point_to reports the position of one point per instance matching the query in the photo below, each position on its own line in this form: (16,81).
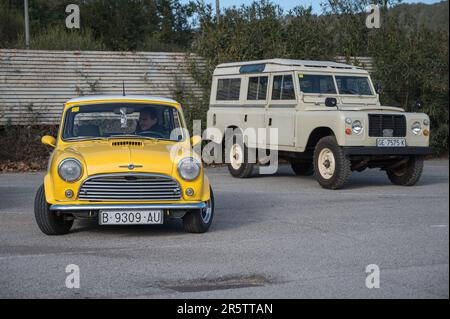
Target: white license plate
(130,217)
(391,142)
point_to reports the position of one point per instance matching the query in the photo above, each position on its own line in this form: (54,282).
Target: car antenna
(123,87)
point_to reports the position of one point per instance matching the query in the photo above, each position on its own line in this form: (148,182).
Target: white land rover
(329,118)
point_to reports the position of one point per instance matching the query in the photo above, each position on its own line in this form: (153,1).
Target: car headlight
(416,128)
(189,168)
(70,169)
(357,127)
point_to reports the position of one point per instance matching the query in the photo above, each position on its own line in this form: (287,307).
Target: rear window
(228,89)
(319,84)
(283,88)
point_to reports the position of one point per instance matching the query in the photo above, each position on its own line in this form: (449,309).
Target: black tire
(407,174)
(194,221)
(47,220)
(342,164)
(303,168)
(245,169)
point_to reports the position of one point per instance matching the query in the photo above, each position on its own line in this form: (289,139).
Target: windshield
(319,84)
(354,85)
(117,120)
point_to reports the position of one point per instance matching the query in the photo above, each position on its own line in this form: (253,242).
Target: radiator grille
(129,187)
(380,125)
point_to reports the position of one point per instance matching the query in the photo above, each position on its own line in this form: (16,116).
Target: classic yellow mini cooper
(124,160)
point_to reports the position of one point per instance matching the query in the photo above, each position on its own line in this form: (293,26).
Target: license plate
(391,142)
(130,217)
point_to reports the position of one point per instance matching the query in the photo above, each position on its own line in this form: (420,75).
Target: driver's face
(146,121)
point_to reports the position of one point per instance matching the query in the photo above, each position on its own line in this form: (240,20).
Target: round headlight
(416,128)
(357,127)
(70,169)
(189,168)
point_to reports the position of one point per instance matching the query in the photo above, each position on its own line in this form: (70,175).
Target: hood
(115,156)
(364,107)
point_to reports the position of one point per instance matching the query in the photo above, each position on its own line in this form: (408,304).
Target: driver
(148,121)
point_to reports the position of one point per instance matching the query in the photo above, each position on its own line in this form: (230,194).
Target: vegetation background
(410,50)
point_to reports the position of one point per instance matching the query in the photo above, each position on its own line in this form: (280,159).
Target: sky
(289,4)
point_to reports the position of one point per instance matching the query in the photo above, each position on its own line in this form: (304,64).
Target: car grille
(129,187)
(382,124)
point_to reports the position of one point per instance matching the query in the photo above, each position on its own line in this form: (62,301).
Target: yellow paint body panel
(101,157)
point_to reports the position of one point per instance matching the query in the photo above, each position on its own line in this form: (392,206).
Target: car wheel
(407,174)
(303,168)
(47,220)
(238,157)
(200,221)
(332,168)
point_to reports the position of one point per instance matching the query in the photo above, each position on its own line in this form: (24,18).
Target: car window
(355,85)
(257,88)
(283,88)
(319,84)
(121,119)
(228,89)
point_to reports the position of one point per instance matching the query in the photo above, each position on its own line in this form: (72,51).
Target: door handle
(270,121)
(245,118)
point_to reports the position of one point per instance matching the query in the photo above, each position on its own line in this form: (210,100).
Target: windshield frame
(181,122)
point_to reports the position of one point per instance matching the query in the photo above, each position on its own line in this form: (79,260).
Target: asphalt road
(272,237)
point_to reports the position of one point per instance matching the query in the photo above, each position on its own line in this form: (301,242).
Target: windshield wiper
(79,138)
(132,136)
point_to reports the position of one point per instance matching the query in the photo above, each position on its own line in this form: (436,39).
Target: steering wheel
(151,134)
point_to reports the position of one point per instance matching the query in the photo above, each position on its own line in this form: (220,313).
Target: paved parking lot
(273,237)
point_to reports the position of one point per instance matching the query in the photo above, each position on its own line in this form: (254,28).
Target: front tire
(407,174)
(47,220)
(238,157)
(200,221)
(332,168)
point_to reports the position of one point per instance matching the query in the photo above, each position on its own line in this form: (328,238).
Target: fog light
(69,193)
(189,191)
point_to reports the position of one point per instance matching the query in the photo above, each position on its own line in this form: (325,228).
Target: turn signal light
(426,132)
(348,131)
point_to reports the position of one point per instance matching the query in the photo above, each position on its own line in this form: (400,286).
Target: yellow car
(123,160)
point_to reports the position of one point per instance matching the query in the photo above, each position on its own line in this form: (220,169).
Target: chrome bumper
(126,206)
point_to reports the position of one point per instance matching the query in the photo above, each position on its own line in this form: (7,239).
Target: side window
(283,88)
(320,84)
(228,89)
(257,88)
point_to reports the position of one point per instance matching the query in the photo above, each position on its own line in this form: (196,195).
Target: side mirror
(378,87)
(419,104)
(195,140)
(49,140)
(330,102)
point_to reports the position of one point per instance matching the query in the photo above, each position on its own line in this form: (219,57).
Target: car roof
(275,65)
(103,98)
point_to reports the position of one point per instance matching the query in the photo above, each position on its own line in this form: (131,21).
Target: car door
(280,113)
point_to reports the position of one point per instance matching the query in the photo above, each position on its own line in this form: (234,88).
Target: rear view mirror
(330,102)
(378,87)
(121,110)
(48,140)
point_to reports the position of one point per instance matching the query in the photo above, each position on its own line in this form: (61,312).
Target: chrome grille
(129,187)
(380,122)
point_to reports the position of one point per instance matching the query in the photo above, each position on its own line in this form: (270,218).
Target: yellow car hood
(116,156)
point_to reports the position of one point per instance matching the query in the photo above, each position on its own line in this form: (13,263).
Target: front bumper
(87,207)
(374,150)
